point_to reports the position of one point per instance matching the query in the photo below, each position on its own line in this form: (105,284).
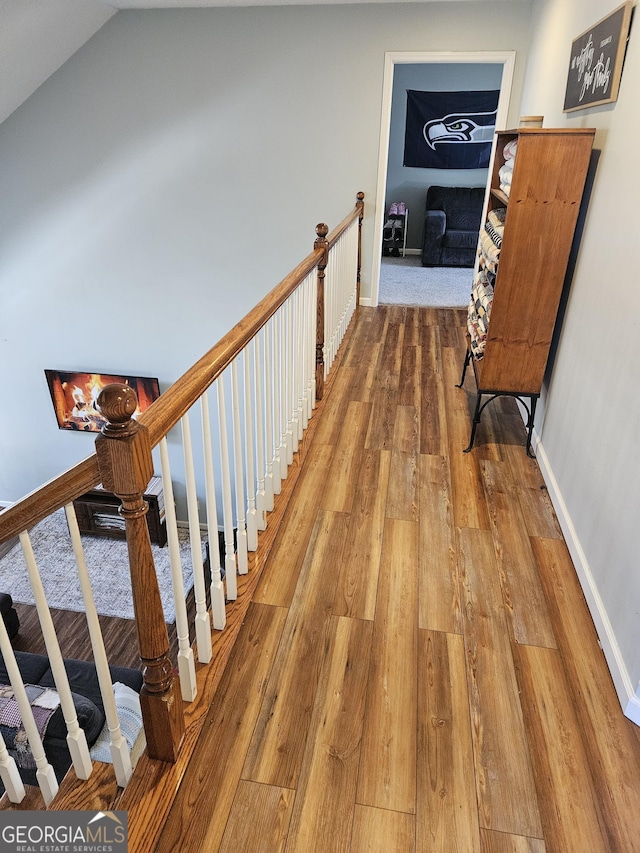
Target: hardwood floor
(417,670)
(120,635)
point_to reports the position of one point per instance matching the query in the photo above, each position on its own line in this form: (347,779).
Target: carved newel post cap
(117,403)
(322,230)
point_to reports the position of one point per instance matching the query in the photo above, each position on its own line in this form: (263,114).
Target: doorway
(504,59)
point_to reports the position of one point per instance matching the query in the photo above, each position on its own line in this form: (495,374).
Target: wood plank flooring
(417,671)
(428,678)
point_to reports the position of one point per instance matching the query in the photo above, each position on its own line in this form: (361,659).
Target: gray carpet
(108,567)
(404,281)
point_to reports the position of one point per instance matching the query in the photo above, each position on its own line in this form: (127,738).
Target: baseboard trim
(629,701)
(632,709)
(365,301)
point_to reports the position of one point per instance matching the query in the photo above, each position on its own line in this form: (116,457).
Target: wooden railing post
(360,206)
(126,466)
(321,243)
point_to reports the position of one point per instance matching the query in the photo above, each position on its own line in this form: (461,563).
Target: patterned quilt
(44,701)
(479,313)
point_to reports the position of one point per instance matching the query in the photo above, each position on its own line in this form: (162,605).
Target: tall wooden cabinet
(546,186)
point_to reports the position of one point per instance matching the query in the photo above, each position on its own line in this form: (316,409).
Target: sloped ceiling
(38,36)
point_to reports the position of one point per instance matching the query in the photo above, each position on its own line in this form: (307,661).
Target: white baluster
(10,775)
(269,415)
(76,740)
(241,535)
(119,750)
(287,382)
(298,357)
(227,513)
(202,620)
(44,774)
(261,495)
(303,342)
(280,458)
(328,312)
(340,263)
(292,337)
(252,520)
(8,771)
(186,662)
(337,263)
(218,610)
(329,289)
(312,319)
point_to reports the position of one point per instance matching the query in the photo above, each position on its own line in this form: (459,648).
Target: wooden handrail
(338,231)
(48,498)
(123,463)
(167,410)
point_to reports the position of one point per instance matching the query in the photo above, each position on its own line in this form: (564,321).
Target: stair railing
(262,381)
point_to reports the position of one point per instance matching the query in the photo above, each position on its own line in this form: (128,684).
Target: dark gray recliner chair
(451,226)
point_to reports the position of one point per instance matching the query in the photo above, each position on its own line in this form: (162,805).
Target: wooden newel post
(321,243)
(126,466)
(360,206)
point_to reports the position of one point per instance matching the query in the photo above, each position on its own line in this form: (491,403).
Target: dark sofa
(83,681)
(451,226)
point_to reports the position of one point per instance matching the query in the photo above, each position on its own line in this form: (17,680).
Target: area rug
(404,281)
(107,563)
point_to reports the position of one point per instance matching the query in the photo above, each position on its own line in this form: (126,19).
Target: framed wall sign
(595,65)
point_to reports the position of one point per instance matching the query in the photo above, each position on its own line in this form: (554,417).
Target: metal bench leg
(534,402)
(467,359)
(476,420)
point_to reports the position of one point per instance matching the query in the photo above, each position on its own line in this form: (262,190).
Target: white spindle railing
(250,415)
(120,756)
(264,399)
(186,663)
(45,775)
(262,437)
(9,772)
(340,292)
(202,623)
(76,740)
(270,418)
(218,611)
(280,404)
(227,501)
(241,530)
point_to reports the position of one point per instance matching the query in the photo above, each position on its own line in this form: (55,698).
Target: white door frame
(506,58)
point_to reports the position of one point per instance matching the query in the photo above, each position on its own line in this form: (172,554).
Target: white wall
(170,173)
(590,447)
(409,184)
(55,28)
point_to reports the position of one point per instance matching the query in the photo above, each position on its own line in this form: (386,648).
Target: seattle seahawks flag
(449,130)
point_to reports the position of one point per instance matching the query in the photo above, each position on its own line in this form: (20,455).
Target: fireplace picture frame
(74,394)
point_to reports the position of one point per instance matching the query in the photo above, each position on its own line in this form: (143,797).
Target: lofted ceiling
(38,36)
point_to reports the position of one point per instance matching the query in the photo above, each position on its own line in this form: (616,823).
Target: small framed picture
(595,64)
(74,396)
